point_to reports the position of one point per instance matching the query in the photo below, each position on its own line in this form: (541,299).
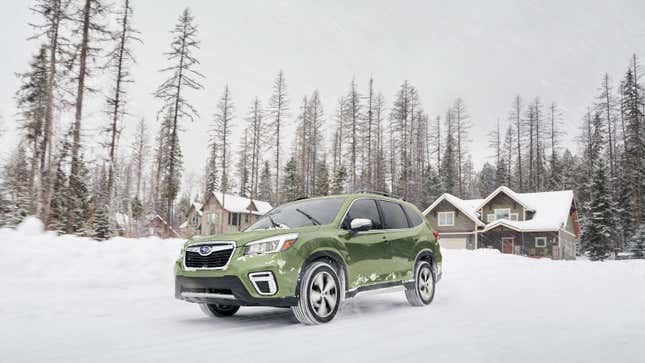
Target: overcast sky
(485,53)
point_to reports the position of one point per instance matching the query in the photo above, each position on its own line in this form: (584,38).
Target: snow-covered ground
(68,299)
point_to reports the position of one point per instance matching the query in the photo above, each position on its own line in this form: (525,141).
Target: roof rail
(385,194)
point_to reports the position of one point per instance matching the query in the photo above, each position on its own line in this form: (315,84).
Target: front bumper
(235,285)
(225,290)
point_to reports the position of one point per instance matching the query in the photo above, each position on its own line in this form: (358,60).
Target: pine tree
(515,119)
(172,93)
(597,237)
(102,228)
(353,116)
(119,61)
(278,114)
(637,243)
(448,163)
(634,139)
(139,154)
(212,179)
(291,181)
(264,191)
(55,16)
(80,209)
(255,127)
(488,179)
(555,181)
(462,126)
(322,180)
(432,188)
(89,20)
(31,99)
(16,185)
(221,136)
(339,181)
(244,165)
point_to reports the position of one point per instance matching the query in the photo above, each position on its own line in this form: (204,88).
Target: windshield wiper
(313,220)
(273,222)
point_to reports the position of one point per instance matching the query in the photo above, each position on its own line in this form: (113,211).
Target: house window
(233,219)
(514,216)
(247,218)
(503,213)
(446,219)
(540,241)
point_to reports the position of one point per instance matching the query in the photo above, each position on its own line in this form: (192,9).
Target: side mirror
(360,225)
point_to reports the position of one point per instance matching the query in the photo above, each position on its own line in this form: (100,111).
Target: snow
(70,299)
(238,204)
(467,207)
(551,211)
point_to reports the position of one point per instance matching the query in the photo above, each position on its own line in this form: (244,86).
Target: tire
(320,294)
(219,311)
(422,291)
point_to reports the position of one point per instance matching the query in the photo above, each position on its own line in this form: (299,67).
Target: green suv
(310,254)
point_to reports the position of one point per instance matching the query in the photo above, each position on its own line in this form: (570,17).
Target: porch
(530,244)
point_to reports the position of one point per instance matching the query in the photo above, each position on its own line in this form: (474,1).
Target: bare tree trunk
(46,143)
(76,133)
(117,97)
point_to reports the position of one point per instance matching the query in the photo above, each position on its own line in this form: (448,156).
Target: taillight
(436,235)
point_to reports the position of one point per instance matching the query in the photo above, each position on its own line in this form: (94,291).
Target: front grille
(215,259)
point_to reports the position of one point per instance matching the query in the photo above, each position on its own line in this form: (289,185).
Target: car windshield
(300,214)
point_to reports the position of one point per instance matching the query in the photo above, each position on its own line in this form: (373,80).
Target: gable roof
(551,209)
(464,206)
(506,190)
(238,204)
(551,212)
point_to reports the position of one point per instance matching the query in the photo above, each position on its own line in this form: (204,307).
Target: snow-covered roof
(551,212)
(551,209)
(510,193)
(238,204)
(467,207)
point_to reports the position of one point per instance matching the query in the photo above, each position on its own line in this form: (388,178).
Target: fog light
(264,283)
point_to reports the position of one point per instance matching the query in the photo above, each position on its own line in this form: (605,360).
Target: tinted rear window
(393,216)
(363,208)
(413,216)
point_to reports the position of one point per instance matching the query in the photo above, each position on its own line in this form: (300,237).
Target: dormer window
(503,213)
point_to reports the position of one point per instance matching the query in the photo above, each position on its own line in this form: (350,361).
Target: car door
(400,239)
(367,251)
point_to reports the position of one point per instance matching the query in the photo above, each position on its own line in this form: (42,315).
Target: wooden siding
(523,242)
(462,222)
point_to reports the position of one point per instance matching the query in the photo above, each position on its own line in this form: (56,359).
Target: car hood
(242,238)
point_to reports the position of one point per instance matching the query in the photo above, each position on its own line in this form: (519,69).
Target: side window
(414,219)
(363,208)
(393,216)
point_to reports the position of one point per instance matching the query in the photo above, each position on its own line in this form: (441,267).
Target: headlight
(271,244)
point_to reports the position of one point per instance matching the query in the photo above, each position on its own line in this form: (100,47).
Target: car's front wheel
(218,310)
(422,292)
(320,294)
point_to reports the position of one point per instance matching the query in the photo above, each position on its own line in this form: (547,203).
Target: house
(529,224)
(223,212)
(157,226)
(193,223)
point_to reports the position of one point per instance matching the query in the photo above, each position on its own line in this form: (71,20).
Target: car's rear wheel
(320,294)
(421,292)
(218,310)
